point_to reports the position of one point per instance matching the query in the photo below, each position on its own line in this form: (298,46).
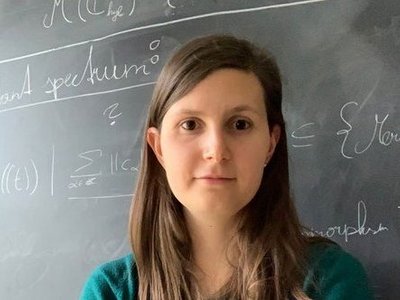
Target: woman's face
(214,143)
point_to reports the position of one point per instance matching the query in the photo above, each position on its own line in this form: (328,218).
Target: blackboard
(75,82)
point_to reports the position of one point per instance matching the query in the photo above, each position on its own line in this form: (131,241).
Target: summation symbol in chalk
(19,179)
(112,114)
(300,136)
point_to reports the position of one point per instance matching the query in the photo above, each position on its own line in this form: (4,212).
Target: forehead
(221,91)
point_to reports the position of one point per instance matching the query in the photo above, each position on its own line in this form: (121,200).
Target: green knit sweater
(333,274)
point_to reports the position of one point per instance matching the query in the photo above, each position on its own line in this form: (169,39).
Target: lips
(216,177)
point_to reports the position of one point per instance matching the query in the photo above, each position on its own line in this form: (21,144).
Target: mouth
(212,177)
(215,180)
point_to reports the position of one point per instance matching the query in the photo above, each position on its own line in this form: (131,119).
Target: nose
(215,146)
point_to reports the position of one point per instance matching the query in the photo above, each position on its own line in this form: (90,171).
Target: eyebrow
(236,109)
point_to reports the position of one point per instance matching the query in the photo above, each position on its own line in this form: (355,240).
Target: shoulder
(116,279)
(333,273)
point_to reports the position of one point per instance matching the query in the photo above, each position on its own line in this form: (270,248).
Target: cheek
(175,152)
(251,174)
(178,163)
(251,166)
(252,153)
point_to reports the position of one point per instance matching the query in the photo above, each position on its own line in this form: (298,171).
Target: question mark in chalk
(112,114)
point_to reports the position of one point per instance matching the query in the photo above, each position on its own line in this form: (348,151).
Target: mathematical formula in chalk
(91,168)
(378,133)
(94,164)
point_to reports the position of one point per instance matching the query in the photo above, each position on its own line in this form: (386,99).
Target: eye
(241,124)
(189,125)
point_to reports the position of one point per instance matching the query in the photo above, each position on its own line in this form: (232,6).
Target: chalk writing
(170,4)
(101,197)
(114,13)
(360,229)
(94,166)
(89,157)
(379,135)
(117,165)
(16,179)
(79,182)
(163,24)
(303,139)
(153,46)
(82,95)
(56,4)
(25,90)
(89,8)
(112,114)
(93,74)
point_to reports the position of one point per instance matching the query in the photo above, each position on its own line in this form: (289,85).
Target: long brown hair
(270,239)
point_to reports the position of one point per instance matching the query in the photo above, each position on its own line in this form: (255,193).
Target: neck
(210,239)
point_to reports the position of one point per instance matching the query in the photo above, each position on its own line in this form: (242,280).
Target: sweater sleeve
(336,275)
(97,287)
(114,280)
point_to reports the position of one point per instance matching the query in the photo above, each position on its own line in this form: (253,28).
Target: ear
(153,139)
(273,141)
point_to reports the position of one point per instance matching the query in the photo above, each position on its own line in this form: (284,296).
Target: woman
(212,217)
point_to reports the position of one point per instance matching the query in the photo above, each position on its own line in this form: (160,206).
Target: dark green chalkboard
(75,81)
